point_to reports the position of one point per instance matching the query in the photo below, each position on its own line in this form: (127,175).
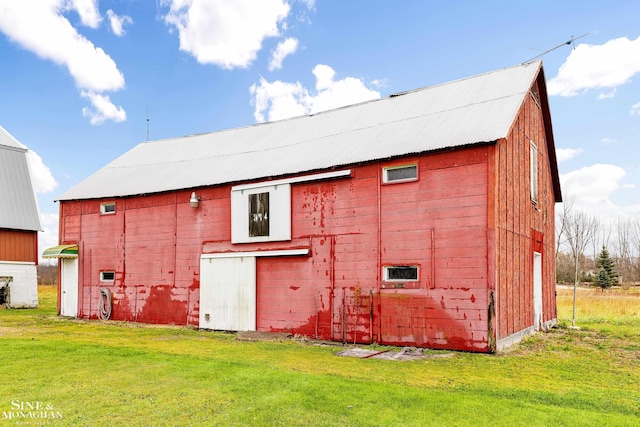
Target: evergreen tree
(603,280)
(607,275)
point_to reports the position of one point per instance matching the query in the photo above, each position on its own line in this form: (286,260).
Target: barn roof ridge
(391,95)
(7,140)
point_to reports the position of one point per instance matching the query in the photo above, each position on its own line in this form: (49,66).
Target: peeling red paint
(162,306)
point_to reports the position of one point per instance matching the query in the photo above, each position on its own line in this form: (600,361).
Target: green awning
(61,251)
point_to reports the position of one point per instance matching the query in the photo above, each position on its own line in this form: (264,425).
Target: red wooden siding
(352,227)
(515,218)
(18,245)
(438,223)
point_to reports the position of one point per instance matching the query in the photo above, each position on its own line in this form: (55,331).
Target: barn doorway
(537,291)
(69,287)
(67,256)
(228,293)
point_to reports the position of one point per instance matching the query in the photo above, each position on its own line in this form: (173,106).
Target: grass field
(82,373)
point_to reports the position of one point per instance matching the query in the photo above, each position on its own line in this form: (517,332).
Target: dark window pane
(398,174)
(259,214)
(402,273)
(108,276)
(108,208)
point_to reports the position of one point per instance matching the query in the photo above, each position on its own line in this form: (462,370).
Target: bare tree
(624,248)
(635,243)
(580,230)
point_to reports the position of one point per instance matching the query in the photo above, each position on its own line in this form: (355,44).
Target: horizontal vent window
(107,276)
(107,208)
(400,273)
(400,173)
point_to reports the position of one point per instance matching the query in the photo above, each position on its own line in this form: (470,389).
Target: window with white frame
(107,276)
(533,169)
(107,208)
(261,213)
(401,173)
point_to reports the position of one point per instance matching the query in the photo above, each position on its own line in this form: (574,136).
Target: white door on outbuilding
(228,293)
(537,291)
(69,287)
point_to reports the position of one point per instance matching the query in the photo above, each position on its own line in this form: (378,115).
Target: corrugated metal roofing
(469,111)
(18,206)
(8,140)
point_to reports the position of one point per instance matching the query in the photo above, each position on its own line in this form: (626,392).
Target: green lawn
(121,374)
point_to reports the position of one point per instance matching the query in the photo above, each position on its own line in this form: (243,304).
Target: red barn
(424,219)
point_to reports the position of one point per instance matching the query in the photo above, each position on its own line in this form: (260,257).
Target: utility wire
(567,43)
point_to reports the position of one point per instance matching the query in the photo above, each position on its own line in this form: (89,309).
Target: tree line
(589,250)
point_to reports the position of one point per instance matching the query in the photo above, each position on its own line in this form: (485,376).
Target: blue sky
(78,78)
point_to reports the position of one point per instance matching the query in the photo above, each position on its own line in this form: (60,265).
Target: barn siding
(351,226)
(18,245)
(517,218)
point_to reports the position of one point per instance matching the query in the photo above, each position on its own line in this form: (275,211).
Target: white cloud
(309,3)
(592,189)
(608,141)
(635,109)
(592,185)
(227,33)
(284,48)
(563,154)
(41,28)
(103,109)
(610,94)
(608,65)
(87,10)
(43,180)
(118,22)
(379,83)
(280,100)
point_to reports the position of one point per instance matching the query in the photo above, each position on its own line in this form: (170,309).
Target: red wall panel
(515,216)
(18,245)
(352,227)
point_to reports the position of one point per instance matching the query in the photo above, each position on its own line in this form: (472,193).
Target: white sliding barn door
(228,293)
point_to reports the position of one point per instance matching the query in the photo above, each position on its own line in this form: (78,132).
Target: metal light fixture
(194,200)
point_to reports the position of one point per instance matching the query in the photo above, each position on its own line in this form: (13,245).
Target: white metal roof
(8,140)
(473,110)
(18,206)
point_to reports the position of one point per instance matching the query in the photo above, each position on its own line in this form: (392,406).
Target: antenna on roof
(568,42)
(147,123)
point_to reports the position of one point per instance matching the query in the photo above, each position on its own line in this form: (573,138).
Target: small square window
(107,276)
(402,173)
(107,208)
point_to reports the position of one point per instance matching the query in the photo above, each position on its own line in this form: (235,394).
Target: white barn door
(228,293)
(537,291)
(69,287)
